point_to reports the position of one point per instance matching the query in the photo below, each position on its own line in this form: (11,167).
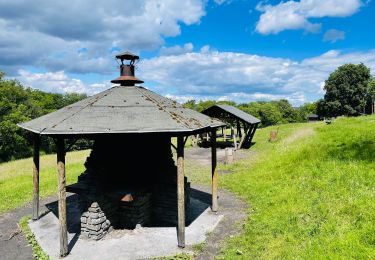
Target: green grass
(16,181)
(37,250)
(312,194)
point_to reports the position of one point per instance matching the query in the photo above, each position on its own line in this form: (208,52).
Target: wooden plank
(253,132)
(62,197)
(36,161)
(180,192)
(214,173)
(239,132)
(246,143)
(246,133)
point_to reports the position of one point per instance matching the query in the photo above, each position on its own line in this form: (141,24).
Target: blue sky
(194,49)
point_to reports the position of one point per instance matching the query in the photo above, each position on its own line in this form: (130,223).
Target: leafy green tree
(371,101)
(346,91)
(19,104)
(190,104)
(307,109)
(289,114)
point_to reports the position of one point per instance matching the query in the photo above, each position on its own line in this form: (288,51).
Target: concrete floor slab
(145,242)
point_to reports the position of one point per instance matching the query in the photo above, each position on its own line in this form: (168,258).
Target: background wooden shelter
(244,123)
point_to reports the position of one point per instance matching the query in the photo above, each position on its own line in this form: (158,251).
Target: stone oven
(130,178)
(119,190)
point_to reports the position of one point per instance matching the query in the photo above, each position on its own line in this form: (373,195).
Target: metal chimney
(127,77)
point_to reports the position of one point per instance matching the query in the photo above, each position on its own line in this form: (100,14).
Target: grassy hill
(311,193)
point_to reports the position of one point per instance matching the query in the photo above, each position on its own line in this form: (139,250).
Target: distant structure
(244,123)
(130,178)
(313,118)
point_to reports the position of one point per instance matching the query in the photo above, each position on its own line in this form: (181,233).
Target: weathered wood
(36,141)
(245,134)
(229,155)
(62,197)
(214,173)
(253,133)
(239,132)
(180,192)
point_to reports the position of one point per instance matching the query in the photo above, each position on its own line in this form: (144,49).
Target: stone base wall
(105,210)
(164,200)
(135,212)
(94,223)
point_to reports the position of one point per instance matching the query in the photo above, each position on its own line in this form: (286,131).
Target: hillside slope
(312,194)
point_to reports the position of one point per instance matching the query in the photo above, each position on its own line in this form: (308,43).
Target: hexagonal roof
(119,110)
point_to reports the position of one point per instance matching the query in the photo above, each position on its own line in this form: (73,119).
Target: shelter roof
(233,111)
(122,109)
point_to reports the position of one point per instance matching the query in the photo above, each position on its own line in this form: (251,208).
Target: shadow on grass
(358,151)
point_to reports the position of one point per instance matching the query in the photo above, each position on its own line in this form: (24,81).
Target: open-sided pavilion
(125,110)
(244,123)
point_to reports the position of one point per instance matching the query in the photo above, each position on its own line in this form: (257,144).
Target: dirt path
(203,155)
(298,134)
(234,213)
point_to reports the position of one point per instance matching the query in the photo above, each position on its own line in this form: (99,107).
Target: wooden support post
(214,173)
(246,142)
(253,132)
(235,141)
(180,192)
(239,133)
(243,136)
(36,141)
(62,196)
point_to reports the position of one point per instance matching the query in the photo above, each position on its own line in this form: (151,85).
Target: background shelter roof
(122,109)
(216,110)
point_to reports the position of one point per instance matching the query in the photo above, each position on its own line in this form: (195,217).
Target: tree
(371,90)
(289,114)
(346,91)
(307,109)
(19,104)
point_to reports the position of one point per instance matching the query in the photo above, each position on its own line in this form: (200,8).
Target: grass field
(311,193)
(16,183)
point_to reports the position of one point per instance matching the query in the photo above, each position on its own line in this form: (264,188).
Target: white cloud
(50,35)
(243,77)
(221,76)
(220,2)
(333,36)
(58,82)
(292,15)
(176,49)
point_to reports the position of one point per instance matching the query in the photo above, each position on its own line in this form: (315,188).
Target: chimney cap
(126,55)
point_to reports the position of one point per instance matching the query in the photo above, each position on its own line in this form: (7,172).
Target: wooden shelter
(244,123)
(313,118)
(123,112)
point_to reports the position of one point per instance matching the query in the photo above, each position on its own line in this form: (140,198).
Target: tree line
(20,104)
